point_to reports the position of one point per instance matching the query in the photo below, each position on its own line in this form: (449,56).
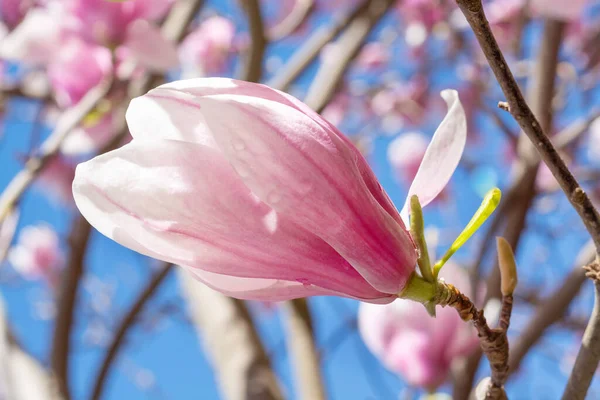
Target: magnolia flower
(37,253)
(258,195)
(206,50)
(77,68)
(410,343)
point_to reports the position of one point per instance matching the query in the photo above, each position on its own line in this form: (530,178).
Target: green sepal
(488,205)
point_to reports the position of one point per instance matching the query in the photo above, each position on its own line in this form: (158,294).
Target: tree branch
(473,11)
(303,350)
(127,322)
(522,192)
(586,362)
(301,11)
(346,48)
(241,365)
(312,47)
(71,276)
(253,65)
(69,120)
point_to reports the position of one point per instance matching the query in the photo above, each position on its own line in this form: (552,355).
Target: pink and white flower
(37,254)
(207,50)
(258,195)
(417,347)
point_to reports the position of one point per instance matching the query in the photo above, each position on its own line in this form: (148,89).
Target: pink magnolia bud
(256,194)
(37,253)
(77,68)
(410,343)
(206,50)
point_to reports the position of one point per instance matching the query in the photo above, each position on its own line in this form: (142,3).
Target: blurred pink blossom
(405,154)
(337,108)
(13,11)
(374,55)
(56,179)
(77,68)
(37,254)
(567,10)
(206,50)
(107,22)
(258,195)
(410,343)
(36,40)
(406,100)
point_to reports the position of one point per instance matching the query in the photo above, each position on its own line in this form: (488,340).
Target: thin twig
(493,342)
(520,195)
(69,120)
(128,320)
(473,11)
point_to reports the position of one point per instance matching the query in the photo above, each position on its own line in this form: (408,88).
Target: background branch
(345,48)
(303,351)
(127,322)
(241,365)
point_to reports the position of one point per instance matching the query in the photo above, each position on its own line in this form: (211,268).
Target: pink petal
(286,154)
(257,289)
(150,48)
(442,155)
(183,203)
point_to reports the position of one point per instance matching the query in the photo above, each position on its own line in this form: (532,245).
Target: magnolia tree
(177,164)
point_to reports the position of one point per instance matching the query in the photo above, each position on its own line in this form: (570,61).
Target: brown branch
(493,342)
(586,362)
(552,309)
(71,276)
(302,348)
(127,322)
(312,47)
(346,48)
(473,11)
(522,192)
(252,70)
(69,120)
(241,365)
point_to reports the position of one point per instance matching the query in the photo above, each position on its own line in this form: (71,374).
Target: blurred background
(84,318)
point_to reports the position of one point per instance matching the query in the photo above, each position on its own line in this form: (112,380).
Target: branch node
(503,105)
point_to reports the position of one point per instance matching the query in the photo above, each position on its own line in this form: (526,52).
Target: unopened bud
(508,266)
